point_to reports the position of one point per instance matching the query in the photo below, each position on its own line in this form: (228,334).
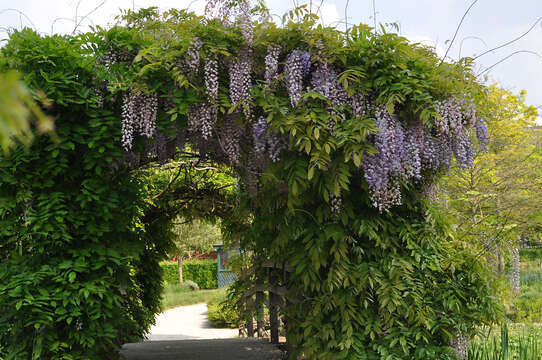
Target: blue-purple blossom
(482,135)
(463,152)
(272,65)
(383,169)
(297,67)
(259,130)
(241,80)
(201,119)
(192,62)
(139,112)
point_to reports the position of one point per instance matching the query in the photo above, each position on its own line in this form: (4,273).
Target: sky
(489,23)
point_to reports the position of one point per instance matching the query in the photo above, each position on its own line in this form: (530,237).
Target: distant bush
(202,272)
(222,313)
(191,285)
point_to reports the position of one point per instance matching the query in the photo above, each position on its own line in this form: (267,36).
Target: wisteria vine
(405,149)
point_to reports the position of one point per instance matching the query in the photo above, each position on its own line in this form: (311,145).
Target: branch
(21,14)
(87,15)
(374,13)
(511,41)
(467,38)
(457,30)
(509,56)
(346,16)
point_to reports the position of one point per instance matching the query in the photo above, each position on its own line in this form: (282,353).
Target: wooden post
(259,314)
(250,320)
(274,318)
(250,327)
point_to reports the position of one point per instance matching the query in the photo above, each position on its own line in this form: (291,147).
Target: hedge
(202,272)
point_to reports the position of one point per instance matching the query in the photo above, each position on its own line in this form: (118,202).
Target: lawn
(175,295)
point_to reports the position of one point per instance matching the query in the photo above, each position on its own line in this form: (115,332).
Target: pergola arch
(334,138)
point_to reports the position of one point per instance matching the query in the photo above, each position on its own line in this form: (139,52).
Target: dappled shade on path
(215,349)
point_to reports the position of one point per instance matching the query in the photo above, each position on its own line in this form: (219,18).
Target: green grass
(517,343)
(527,306)
(175,295)
(521,339)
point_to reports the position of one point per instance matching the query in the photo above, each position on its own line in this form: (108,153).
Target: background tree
(500,197)
(197,236)
(18,111)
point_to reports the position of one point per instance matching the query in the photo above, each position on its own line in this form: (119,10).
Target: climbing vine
(334,138)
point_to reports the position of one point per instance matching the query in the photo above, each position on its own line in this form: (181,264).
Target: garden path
(184,333)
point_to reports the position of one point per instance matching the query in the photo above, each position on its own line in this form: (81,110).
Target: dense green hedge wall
(202,272)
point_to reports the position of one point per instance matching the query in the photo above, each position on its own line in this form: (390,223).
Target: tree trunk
(180,266)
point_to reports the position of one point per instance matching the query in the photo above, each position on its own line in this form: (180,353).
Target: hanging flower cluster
(201,119)
(403,153)
(192,61)
(336,204)
(240,80)
(297,67)
(210,77)
(138,115)
(515,270)
(405,149)
(482,135)
(272,65)
(383,169)
(230,136)
(259,130)
(267,140)
(324,80)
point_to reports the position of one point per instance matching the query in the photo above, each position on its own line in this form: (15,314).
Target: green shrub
(190,285)
(202,272)
(222,312)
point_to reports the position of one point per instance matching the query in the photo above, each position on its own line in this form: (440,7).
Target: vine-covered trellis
(335,139)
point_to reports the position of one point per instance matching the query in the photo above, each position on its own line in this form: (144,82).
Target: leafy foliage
(198,236)
(222,313)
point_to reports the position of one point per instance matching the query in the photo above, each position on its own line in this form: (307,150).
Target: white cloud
(329,14)
(426,40)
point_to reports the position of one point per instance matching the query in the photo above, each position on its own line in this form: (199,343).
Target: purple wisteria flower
(297,67)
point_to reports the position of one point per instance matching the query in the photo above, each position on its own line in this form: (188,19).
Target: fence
(269,294)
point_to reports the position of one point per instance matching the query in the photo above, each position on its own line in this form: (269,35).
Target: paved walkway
(215,349)
(184,333)
(185,323)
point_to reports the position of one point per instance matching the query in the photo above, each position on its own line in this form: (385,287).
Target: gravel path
(184,333)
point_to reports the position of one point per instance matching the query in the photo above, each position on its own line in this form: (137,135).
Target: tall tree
(196,236)
(500,197)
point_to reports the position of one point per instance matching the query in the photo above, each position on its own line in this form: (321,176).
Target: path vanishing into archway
(184,333)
